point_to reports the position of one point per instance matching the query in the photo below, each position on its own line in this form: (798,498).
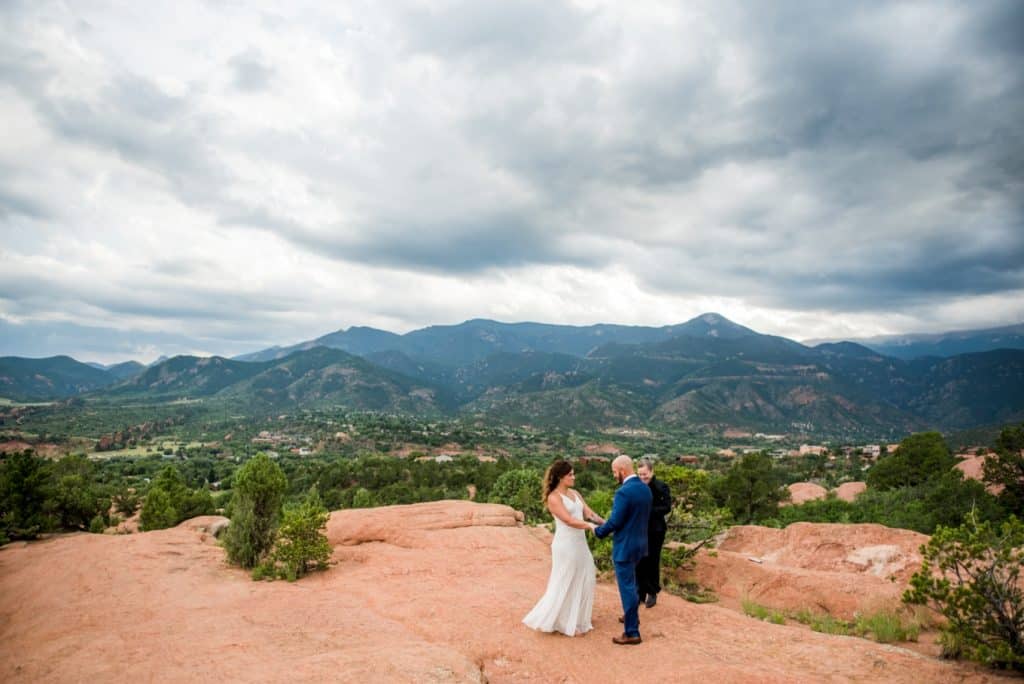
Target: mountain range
(707,372)
(945,344)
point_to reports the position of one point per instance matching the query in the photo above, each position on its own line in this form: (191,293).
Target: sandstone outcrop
(848,491)
(802,492)
(827,568)
(425,593)
(973,468)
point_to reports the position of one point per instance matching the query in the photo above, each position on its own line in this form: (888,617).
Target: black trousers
(648,570)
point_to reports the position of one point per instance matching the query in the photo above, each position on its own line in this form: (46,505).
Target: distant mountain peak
(715,325)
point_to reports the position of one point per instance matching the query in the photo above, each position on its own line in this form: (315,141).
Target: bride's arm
(559,510)
(589,514)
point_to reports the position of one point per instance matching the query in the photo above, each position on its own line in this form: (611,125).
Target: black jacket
(661,505)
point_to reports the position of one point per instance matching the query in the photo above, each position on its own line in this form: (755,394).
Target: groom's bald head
(622,467)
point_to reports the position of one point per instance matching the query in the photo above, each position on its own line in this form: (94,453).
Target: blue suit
(631,510)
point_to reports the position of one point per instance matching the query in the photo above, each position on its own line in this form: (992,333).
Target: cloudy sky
(221,176)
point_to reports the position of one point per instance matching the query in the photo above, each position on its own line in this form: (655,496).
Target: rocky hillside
(52,378)
(425,593)
(706,373)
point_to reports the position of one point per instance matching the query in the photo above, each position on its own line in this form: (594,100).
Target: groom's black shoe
(625,640)
(652,600)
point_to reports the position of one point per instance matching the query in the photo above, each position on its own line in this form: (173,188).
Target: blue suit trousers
(625,577)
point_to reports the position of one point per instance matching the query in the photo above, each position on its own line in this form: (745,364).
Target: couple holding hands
(568,602)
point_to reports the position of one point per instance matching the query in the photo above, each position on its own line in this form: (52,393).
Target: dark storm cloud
(848,157)
(499,240)
(878,116)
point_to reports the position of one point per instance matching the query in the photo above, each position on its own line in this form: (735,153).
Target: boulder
(848,491)
(802,492)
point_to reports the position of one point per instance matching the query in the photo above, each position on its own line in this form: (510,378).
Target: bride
(567,603)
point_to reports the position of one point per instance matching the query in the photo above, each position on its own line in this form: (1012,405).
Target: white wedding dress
(568,602)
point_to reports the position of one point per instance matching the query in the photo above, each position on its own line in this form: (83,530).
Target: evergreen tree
(751,489)
(23,493)
(919,458)
(1006,468)
(301,545)
(259,488)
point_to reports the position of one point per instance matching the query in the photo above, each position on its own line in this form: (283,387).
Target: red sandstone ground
(425,593)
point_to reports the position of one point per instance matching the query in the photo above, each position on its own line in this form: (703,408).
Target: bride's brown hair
(555,472)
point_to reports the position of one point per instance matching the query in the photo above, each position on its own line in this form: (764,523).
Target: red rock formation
(836,569)
(848,491)
(973,469)
(433,592)
(802,492)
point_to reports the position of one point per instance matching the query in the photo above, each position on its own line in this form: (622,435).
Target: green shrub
(601,550)
(126,502)
(168,502)
(521,489)
(259,488)
(195,503)
(76,497)
(97,525)
(301,545)
(158,511)
(971,574)
(691,591)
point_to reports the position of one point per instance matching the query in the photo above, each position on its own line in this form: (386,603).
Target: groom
(631,509)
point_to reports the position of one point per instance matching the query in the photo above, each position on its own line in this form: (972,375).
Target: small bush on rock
(971,574)
(301,545)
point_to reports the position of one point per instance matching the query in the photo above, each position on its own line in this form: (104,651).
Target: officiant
(648,570)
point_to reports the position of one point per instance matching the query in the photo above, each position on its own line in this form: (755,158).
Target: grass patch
(822,622)
(691,591)
(756,610)
(887,627)
(826,624)
(156,448)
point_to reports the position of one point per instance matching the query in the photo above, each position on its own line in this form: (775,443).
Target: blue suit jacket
(631,510)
